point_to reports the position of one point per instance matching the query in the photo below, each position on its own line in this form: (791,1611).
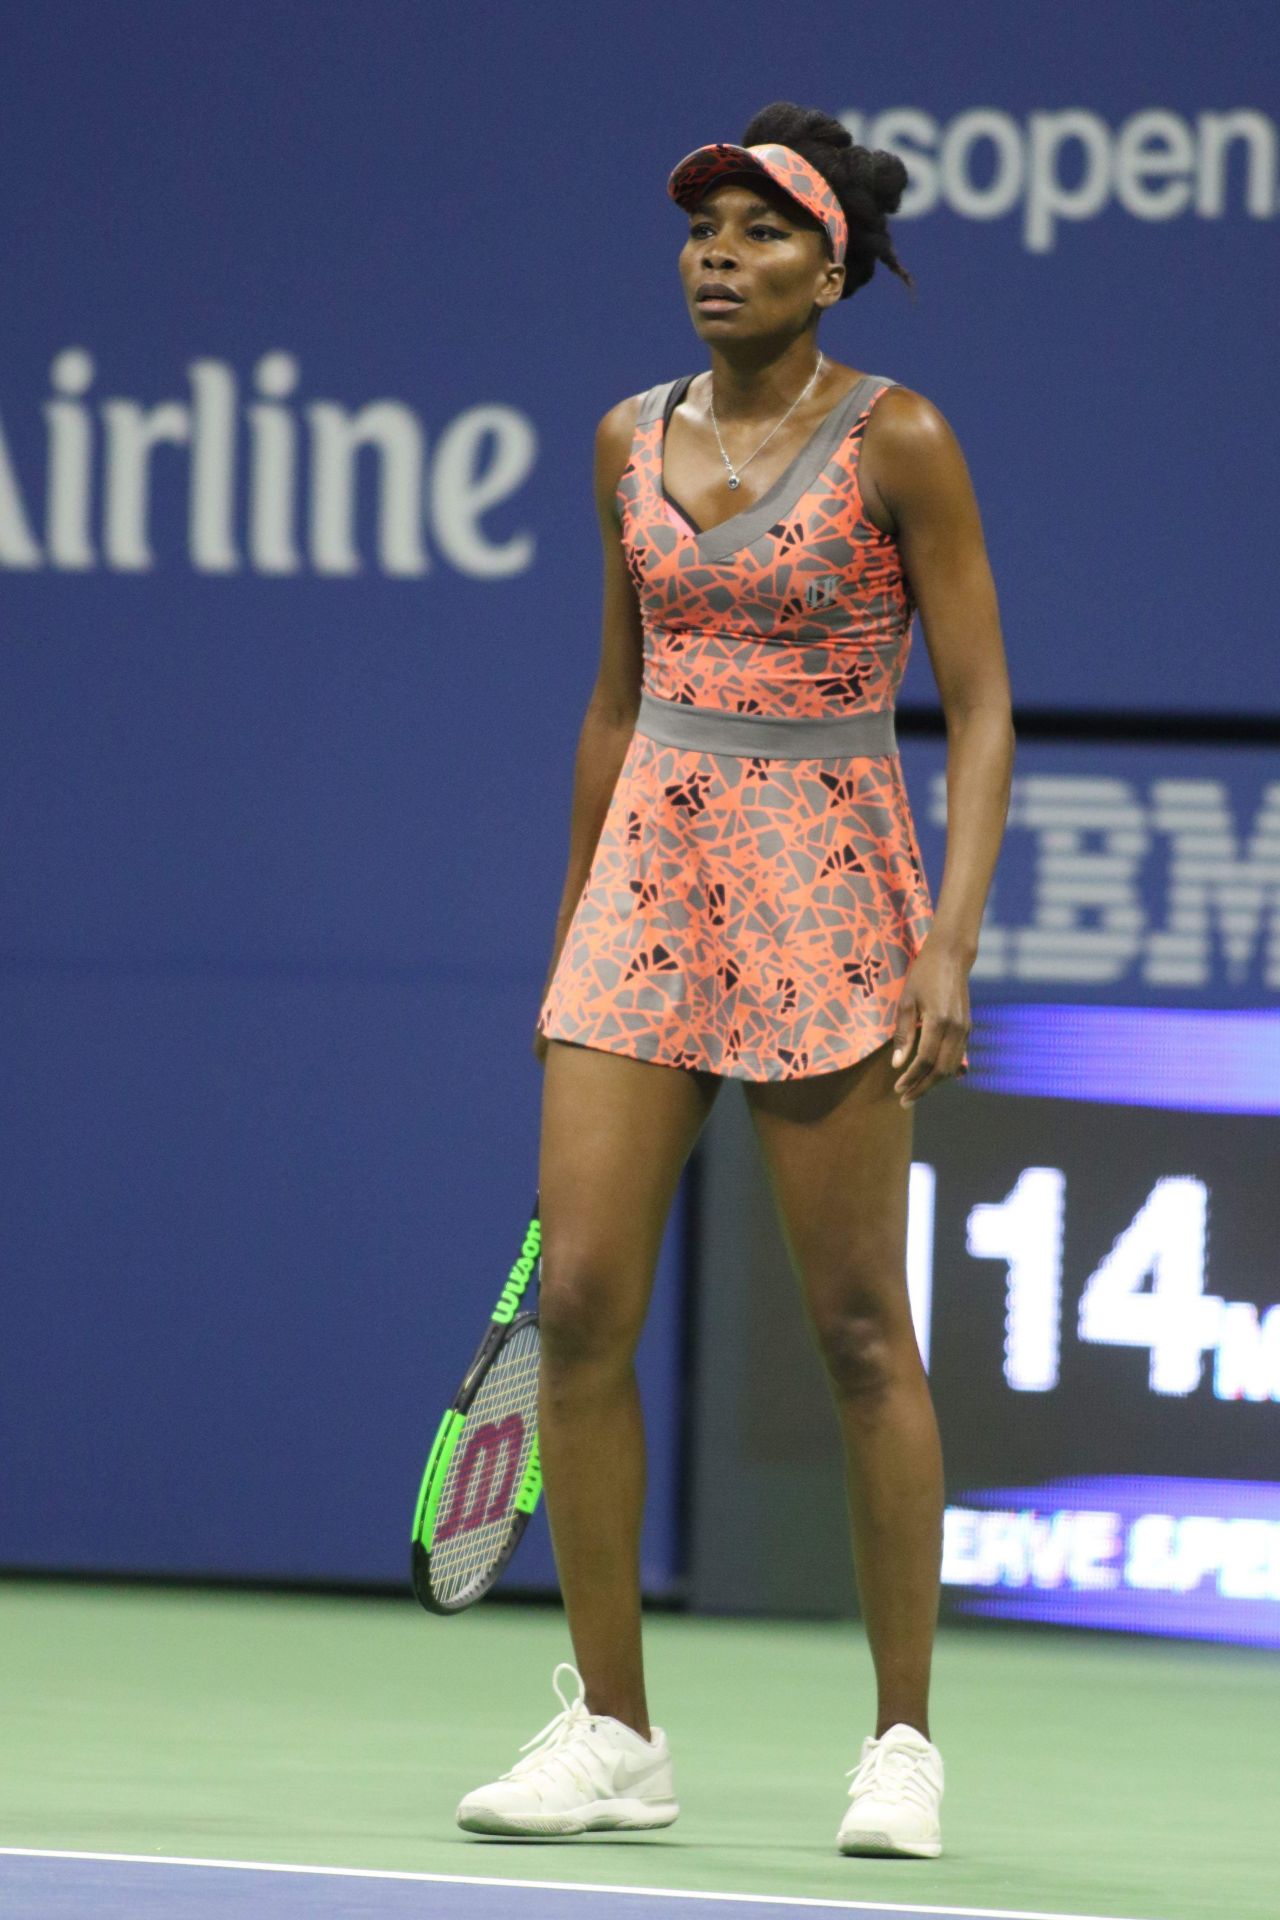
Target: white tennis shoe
(584,1773)
(895,1797)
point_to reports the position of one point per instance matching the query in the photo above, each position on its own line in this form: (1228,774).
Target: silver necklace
(733,472)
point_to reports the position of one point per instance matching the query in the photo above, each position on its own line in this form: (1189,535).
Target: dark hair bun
(869,185)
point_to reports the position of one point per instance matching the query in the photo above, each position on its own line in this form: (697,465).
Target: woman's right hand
(539,1046)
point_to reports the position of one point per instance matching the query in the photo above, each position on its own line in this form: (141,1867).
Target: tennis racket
(482,1479)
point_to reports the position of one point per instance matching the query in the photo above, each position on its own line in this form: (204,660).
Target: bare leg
(838,1153)
(616,1133)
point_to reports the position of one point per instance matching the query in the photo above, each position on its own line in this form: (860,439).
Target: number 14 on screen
(1149,1291)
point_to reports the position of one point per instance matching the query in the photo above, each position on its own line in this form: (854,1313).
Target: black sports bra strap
(679,388)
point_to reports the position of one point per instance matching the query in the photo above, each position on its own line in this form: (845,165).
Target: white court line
(552,1886)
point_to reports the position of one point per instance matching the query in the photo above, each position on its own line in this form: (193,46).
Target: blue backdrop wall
(309,316)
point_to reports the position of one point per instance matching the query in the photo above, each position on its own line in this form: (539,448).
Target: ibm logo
(1170,887)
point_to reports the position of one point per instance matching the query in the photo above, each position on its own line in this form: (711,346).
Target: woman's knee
(590,1312)
(864,1334)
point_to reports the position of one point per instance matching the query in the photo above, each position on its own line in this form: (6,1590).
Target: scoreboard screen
(1095,1280)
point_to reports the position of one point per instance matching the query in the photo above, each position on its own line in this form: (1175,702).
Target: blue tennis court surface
(36,1885)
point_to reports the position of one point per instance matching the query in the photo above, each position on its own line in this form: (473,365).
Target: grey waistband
(781,737)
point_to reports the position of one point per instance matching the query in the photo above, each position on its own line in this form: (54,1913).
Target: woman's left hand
(933,1018)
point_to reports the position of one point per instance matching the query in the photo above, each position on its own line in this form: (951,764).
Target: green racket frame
(505,1320)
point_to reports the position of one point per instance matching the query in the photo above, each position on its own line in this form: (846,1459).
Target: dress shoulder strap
(866,390)
(654,403)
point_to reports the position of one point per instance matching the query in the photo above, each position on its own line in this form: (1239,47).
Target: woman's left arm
(919,476)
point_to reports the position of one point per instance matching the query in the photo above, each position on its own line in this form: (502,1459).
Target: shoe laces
(894,1769)
(554,1743)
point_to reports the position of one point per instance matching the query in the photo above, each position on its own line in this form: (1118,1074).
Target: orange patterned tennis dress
(756,893)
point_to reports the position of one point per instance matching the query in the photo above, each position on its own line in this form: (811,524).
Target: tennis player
(745,900)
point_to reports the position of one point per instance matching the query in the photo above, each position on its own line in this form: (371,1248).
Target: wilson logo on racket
(483,1477)
(475,1502)
(518,1279)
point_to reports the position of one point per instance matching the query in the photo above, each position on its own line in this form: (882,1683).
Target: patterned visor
(792,172)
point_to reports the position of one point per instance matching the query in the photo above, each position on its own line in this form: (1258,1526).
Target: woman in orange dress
(745,900)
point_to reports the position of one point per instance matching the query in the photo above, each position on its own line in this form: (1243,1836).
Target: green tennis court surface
(1085,1776)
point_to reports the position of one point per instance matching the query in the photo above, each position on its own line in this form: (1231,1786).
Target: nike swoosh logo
(631,1771)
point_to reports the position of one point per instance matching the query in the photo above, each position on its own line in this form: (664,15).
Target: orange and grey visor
(789,169)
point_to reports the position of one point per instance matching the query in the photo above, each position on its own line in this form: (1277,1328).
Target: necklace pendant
(733,480)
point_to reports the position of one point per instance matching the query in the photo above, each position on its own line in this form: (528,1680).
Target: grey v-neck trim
(740,529)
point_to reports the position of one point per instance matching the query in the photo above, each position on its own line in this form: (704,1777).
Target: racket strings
(477,1500)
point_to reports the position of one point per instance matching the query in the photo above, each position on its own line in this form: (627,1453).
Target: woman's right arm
(615,699)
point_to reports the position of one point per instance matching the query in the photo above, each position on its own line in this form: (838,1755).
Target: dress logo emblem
(822,591)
